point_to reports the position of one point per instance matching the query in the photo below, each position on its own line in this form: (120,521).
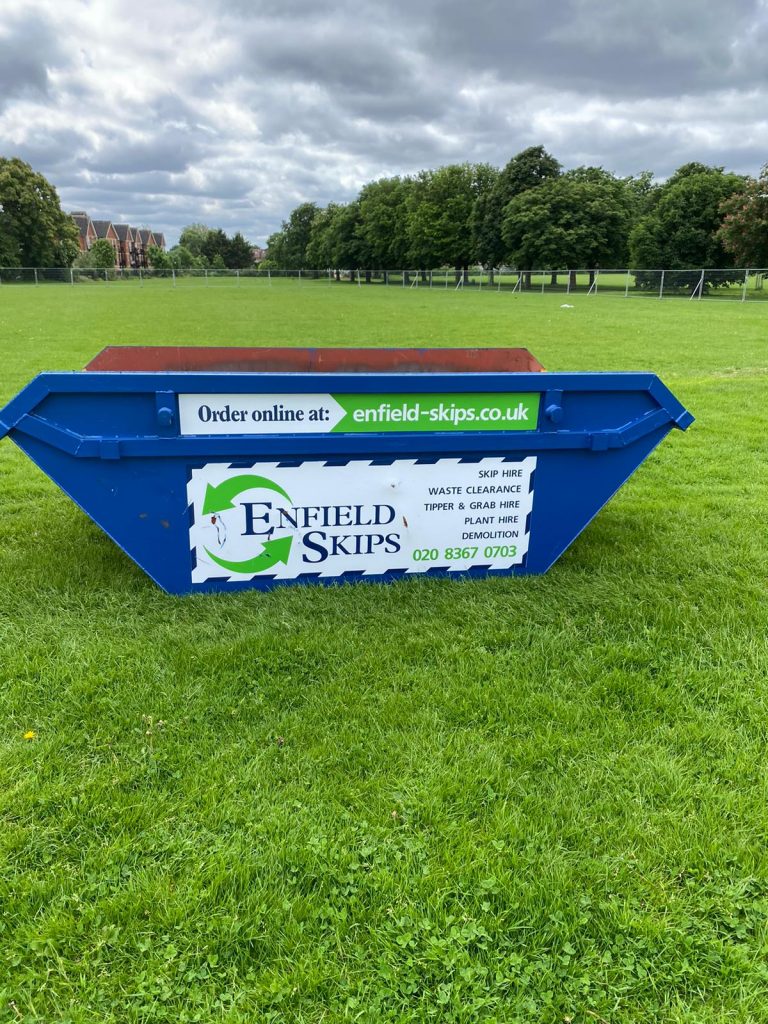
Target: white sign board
(315,519)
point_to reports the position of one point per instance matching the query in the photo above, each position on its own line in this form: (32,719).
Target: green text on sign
(487,411)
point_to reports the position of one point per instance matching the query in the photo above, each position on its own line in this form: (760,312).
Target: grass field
(540,799)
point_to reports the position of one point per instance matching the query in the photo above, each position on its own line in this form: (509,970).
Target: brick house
(143,239)
(106,229)
(125,237)
(86,232)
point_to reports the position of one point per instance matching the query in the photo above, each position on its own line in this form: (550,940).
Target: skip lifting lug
(165,409)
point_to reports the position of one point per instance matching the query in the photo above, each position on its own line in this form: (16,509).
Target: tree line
(529,215)
(533,215)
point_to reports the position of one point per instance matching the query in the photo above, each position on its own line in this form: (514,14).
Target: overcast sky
(232,112)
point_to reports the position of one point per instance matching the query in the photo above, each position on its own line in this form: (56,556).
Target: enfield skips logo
(318,520)
(221,499)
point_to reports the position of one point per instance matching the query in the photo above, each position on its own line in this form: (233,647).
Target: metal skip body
(225,480)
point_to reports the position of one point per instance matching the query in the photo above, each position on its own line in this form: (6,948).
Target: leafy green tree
(238,254)
(101,256)
(322,236)
(384,222)
(193,238)
(34,230)
(744,230)
(9,250)
(681,229)
(157,258)
(288,247)
(440,207)
(577,220)
(527,170)
(181,258)
(215,244)
(336,240)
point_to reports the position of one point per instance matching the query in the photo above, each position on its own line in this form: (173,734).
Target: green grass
(533,799)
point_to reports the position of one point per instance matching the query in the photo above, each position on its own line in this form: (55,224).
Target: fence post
(35,275)
(744,289)
(106,278)
(269,276)
(72,277)
(661,286)
(626,286)
(237,271)
(446,279)
(173,275)
(141,279)
(299,275)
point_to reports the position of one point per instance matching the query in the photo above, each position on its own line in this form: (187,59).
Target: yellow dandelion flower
(30,734)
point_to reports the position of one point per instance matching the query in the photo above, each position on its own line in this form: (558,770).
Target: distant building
(258,254)
(86,231)
(125,240)
(143,239)
(105,229)
(130,244)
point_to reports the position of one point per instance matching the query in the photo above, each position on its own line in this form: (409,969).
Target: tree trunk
(406,278)
(367,277)
(458,274)
(465,272)
(491,279)
(571,279)
(527,280)
(553,279)
(338,274)
(423,277)
(591,278)
(353,277)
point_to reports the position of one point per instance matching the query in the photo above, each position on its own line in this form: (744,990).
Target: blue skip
(229,479)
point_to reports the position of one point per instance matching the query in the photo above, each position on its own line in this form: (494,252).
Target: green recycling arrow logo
(220,498)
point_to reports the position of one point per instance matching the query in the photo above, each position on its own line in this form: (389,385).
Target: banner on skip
(355,414)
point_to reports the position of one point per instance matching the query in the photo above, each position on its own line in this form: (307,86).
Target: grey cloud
(169,150)
(613,48)
(28,48)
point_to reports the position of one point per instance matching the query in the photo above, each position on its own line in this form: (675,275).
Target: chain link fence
(693,284)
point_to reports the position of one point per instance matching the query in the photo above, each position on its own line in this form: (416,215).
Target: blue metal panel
(111,441)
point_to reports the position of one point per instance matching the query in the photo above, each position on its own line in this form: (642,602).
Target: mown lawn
(539,799)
